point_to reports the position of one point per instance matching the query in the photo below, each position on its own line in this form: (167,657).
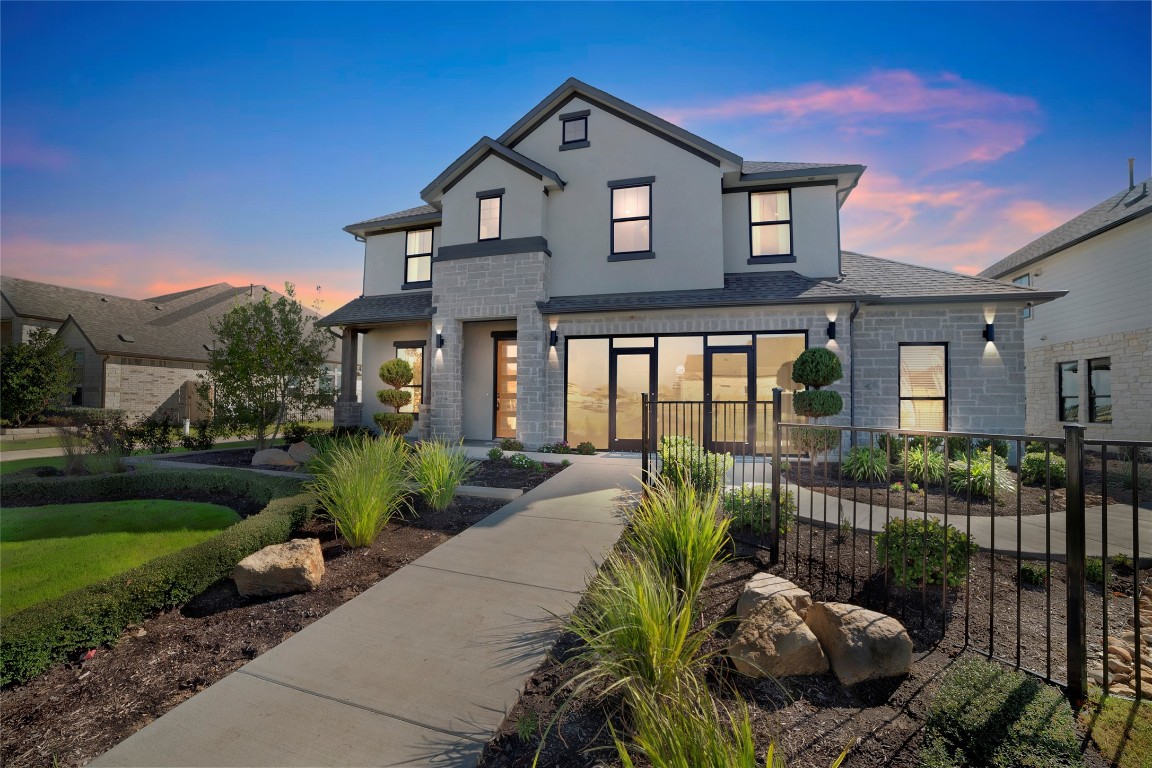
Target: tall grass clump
(438,469)
(692,733)
(925,466)
(361,484)
(866,464)
(987,477)
(678,530)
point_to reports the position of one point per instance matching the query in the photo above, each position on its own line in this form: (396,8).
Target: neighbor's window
(771,217)
(632,219)
(924,386)
(418,256)
(575,130)
(1068,394)
(413,352)
(1100,390)
(1026,281)
(490,218)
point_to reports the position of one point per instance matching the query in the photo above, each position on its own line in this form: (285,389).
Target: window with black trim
(490,217)
(1068,390)
(923,386)
(770,214)
(1026,282)
(632,219)
(574,130)
(418,256)
(413,353)
(1100,390)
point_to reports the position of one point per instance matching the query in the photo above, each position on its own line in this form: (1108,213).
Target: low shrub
(1033,446)
(295,432)
(921,551)
(815,440)
(866,464)
(817,403)
(751,507)
(899,487)
(987,715)
(926,467)
(156,432)
(495,454)
(201,437)
(1036,575)
(987,476)
(1095,570)
(683,461)
(560,447)
(511,444)
(361,484)
(49,632)
(1000,445)
(438,469)
(1035,469)
(586,449)
(391,423)
(82,417)
(520,461)
(357,431)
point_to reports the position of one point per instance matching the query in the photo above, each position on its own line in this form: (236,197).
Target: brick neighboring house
(1088,357)
(594,252)
(142,356)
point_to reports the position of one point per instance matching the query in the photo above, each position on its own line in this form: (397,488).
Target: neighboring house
(1088,357)
(595,251)
(142,356)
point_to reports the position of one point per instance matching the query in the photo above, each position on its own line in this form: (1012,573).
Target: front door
(728,389)
(630,374)
(505,389)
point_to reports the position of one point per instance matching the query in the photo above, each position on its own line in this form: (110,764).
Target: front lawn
(49,551)
(16,465)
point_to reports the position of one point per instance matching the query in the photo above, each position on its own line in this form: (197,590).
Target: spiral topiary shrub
(396,373)
(817,403)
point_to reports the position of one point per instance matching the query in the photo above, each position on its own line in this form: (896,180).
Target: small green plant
(361,484)
(898,487)
(511,444)
(921,551)
(396,373)
(201,438)
(926,467)
(1033,446)
(984,445)
(751,507)
(866,464)
(683,461)
(815,441)
(527,726)
(565,463)
(495,454)
(1034,470)
(156,432)
(586,449)
(1095,571)
(845,526)
(438,469)
(520,461)
(1036,575)
(986,477)
(560,447)
(1121,561)
(690,732)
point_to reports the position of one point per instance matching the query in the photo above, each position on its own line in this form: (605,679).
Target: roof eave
(1037,297)
(640,305)
(366,228)
(477,152)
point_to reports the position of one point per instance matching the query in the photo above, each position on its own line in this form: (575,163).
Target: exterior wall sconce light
(439,341)
(832,330)
(553,338)
(990,332)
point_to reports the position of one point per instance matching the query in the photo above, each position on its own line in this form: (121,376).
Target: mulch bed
(812,718)
(79,710)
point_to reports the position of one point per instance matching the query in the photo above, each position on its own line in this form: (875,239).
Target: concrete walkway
(421,669)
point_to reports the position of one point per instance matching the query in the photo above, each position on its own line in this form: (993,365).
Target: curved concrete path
(421,668)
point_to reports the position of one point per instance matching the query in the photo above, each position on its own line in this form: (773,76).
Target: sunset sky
(151,147)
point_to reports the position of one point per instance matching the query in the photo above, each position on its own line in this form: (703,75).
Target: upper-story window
(574,130)
(771,219)
(490,205)
(632,219)
(1026,281)
(418,256)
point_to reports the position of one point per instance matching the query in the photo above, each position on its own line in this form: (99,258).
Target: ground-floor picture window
(1068,390)
(1100,390)
(413,353)
(924,386)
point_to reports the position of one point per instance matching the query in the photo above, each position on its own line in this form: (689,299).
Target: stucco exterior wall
(815,233)
(478,372)
(378,345)
(522,205)
(384,262)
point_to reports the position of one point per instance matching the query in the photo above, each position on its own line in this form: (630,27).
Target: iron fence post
(1075,547)
(774,527)
(644,416)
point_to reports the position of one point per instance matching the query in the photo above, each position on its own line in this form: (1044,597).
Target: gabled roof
(573,88)
(476,155)
(1116,210)
(374,310)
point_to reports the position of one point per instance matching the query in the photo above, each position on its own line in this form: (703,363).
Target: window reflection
(587,391)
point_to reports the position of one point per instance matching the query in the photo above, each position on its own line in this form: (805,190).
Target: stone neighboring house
(141,356)
(594,251)
(1088,357)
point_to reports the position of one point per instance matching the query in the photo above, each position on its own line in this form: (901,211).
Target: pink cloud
(22,151)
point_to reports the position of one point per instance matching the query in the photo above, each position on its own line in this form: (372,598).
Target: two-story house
(594,252)
(1088,357)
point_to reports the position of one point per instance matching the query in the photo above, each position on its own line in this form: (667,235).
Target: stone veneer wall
(1131,356)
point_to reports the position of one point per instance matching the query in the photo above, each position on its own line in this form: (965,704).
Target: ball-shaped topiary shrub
(816,403)
(396,373)
(817,367)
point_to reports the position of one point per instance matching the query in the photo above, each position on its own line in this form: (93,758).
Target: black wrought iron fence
(1031,550)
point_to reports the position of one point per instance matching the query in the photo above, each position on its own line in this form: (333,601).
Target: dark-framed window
(418,256)
(770,217)
(1025,281)
(1100,390)
(923,385)
(1068,390)
(632,219)
(489,218)
(574,130)
(413,352)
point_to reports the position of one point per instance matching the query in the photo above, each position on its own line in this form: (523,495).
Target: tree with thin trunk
(34,375)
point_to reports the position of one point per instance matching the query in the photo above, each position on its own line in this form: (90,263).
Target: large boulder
(861,644)
(273,457)
(301,452)
(763,586)
(280,569)
(773,641)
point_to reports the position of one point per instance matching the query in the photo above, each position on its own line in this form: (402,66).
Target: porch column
(348,410)
(446,420)
(531,378)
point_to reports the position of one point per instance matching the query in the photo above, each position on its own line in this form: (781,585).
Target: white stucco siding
(522,206)
(686,226)
(378,345)
(384,261)
(815,235)
(1109,284)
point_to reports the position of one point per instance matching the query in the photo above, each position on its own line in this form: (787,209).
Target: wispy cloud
(21,150)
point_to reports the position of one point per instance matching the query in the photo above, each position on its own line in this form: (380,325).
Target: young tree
(267,366)
(34,375)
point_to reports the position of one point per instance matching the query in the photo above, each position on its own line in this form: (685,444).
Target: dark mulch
(79,710)
(812,718)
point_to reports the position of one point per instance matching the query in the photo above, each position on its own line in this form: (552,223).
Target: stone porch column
(348,411)
(446,419)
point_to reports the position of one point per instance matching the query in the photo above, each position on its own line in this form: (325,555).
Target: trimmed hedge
(43,634)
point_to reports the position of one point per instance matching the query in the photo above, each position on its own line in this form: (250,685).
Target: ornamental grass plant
(695,733)
(361,484)
(438,469)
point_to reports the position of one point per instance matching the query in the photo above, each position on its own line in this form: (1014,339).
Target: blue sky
(149,147)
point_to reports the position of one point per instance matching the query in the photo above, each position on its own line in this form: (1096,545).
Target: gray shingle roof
(886,281)
(765,166)
(392,308)
(1116,210)
(482,148)
(398,218)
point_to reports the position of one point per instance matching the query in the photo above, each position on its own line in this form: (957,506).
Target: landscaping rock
(295,566)
(301,452)
(860,644)
(762,586)
(773,641)
(273,457)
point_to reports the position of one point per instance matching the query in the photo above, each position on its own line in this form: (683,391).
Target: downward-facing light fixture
(990,332)
(832,330)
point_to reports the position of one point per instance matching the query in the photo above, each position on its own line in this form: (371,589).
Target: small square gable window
(574,130)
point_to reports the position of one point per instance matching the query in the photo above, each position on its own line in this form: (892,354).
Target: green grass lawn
(29,443)
(15,465)
(1122,729)
(49,551)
